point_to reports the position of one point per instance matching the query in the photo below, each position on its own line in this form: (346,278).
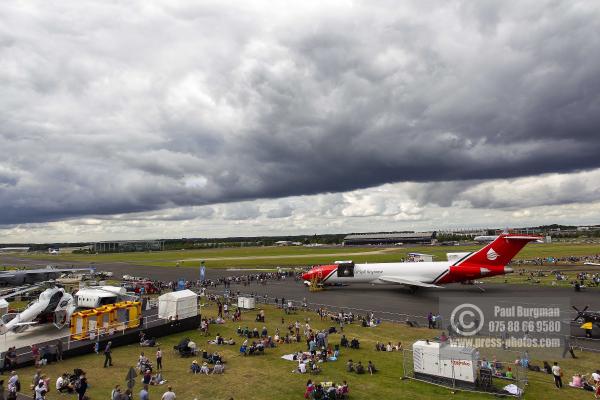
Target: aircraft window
(345,270)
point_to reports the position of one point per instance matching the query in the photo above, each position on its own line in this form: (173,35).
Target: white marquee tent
(183,304)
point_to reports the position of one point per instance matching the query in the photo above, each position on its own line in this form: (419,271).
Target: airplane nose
(307,276)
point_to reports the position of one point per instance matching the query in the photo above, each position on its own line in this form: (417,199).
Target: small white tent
(183,304)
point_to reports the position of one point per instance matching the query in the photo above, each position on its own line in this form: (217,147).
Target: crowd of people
(326,391)
(558,260)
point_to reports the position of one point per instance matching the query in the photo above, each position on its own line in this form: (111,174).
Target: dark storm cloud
(120,108)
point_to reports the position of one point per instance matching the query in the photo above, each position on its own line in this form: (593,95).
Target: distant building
(124,246)
(14,249)
(390,238)
(287,243)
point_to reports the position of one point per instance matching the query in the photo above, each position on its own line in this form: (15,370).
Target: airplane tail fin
(499,252)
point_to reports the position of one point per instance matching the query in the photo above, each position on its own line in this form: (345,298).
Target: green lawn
(270,377)
(290,256)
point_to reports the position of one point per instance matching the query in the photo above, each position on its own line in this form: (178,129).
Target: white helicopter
(56,306)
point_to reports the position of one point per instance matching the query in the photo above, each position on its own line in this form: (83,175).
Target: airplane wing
(408,282)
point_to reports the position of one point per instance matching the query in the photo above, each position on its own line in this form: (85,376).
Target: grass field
(289,256)
(270,377)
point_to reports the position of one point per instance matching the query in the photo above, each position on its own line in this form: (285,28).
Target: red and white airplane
(460,267)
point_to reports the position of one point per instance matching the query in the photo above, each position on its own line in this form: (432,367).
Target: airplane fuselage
(427,272)
(370,273)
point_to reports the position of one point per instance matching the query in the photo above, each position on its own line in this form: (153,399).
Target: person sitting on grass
(116,393)
(336,355)
(195,368)
(301,367)
(219,368)
(63,385)
(342,390)
(157,379)
(213,358)
(318,393)
(350,366)
(360,369)
(371,368)
(270,343)
(147,377)
(331,392)
(344,341)
(314,368)
(577,381)
(204,369)
(354,344)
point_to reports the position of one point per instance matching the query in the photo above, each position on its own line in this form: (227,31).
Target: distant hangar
(390,238)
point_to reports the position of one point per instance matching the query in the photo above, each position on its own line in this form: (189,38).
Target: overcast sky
(146,119)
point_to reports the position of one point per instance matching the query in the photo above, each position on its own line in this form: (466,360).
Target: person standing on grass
(159,359)
(36,378)
(81,387)
(107,355)
(144,393)
(169,394)
(59,350)
(39,391)
(557,374)
(568,347)
(35,352)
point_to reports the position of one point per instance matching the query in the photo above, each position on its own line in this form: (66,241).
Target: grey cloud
(282,211)
(230,103)
(240,211)
(509,194)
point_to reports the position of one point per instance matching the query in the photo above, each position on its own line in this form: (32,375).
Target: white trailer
(96,296)
(247,303)
(436,361)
